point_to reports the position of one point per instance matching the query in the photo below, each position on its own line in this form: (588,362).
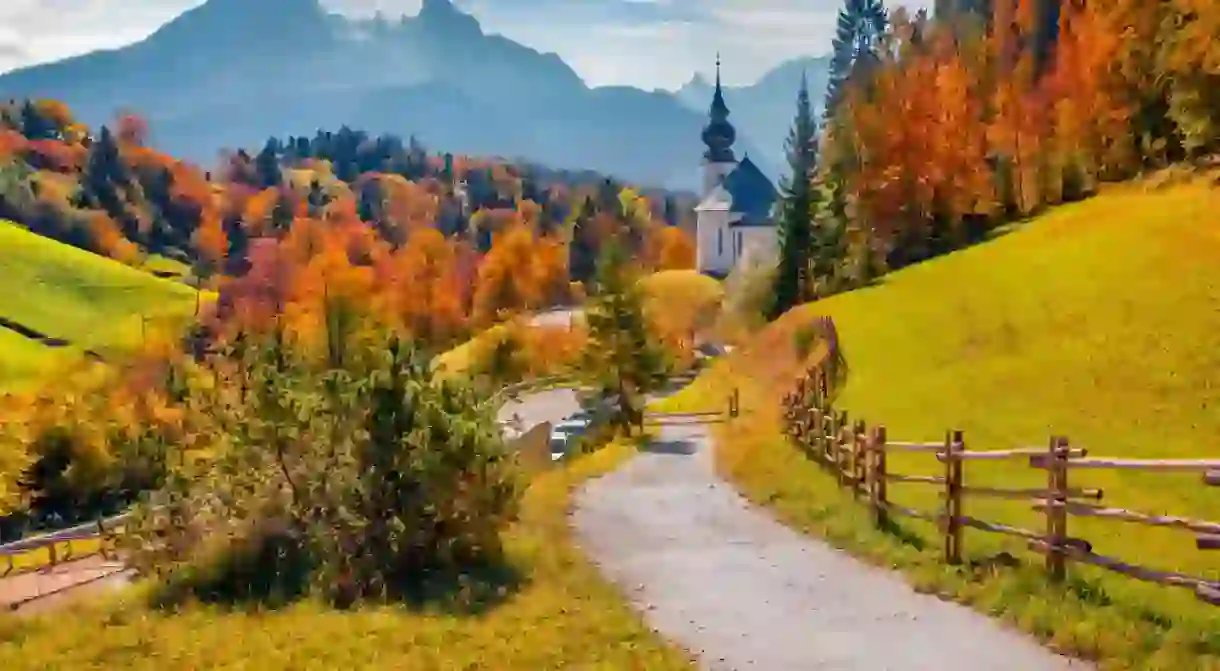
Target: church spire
(719,133)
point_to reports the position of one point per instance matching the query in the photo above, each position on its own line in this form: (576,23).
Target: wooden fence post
(876,475)
(102,540)
(1056,509)
(817,433)
(828,438)
(952,523)
(858,455)
(841,448)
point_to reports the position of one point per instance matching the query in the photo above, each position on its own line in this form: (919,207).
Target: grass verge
(564,617)
(1097,321)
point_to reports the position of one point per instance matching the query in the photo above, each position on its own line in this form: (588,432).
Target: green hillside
(87,301)
(1099,321)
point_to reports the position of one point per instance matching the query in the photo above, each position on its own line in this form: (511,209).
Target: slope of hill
(286,67)
(1098,321)
(60,301)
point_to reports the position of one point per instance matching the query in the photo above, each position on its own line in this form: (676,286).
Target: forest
(306,239)
(938,132)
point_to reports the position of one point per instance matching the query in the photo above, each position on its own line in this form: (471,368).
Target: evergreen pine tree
(623,360)
(581,255)
(104,180)
(796,210)
(830,238)
(316,199)
(33,125)
(267,163)
(861,25)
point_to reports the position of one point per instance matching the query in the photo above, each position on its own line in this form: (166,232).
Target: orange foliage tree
(670,248)
(513,276)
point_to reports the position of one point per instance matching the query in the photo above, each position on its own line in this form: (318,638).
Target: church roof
(752,194)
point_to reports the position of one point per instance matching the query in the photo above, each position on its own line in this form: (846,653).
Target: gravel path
(550,405)
(742,591)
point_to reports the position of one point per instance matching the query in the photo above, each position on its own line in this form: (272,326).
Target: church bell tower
(718,136)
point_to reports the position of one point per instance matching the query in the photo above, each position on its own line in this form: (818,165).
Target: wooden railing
(78,542)
(858,457)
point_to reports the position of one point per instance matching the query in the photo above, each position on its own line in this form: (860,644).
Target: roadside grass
(87,301)
(463,357)
(565,616)
(1097,321)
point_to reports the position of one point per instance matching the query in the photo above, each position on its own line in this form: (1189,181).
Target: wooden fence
(857,455)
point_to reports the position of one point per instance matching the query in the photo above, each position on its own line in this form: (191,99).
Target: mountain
(230,73)
(764,109)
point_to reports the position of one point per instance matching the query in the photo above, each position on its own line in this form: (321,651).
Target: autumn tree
(421,288)
(1190,60)
(622,359)
(670,248)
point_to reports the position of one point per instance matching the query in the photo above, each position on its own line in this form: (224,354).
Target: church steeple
(719,134)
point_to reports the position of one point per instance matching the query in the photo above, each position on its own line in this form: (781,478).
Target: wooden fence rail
(857,456)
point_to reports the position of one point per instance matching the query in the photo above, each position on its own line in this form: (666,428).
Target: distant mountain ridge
(230,73)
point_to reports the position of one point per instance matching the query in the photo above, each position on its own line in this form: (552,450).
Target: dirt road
(742,591)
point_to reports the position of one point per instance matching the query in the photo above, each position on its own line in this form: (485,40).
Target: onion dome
(719,134)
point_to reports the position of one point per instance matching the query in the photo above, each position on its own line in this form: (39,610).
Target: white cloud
(647,43)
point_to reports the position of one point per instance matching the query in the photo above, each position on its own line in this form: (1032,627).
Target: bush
(370,480)
(747,291)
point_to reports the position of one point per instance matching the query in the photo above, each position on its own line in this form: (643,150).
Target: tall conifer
(797,204)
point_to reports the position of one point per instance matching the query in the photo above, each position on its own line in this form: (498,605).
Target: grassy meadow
(91,302)
(1100,321)
(563,617)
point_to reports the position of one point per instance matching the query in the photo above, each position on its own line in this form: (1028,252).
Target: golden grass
(462,357)
(1097,321)
(565,617)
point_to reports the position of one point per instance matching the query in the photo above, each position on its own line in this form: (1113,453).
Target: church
(735,213)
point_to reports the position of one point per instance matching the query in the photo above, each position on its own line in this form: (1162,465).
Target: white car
(563,433)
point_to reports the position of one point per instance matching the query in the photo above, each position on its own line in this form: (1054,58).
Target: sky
(643,43)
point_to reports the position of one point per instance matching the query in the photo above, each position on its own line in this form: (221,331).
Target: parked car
(563,433)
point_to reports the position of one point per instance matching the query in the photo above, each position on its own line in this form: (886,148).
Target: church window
(720,242)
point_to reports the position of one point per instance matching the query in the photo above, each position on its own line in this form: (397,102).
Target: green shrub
(370,480)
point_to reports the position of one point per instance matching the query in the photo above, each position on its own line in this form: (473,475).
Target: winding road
(722,578)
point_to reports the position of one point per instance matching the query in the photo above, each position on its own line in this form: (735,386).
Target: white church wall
(760,242)
(714,247)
